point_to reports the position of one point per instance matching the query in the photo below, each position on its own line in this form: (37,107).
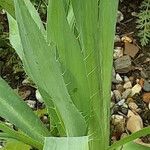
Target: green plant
(143,22)
(71,63)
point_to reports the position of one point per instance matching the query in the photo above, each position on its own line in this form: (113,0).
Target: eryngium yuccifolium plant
(70,61)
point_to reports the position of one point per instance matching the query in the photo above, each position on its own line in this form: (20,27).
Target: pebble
(126,39)
(117,38)
(130,100)
(124,110)
(112,104)
(112,94)
(141,82)
(136,89)
(118,52)
(146,86)
(121,102)
(134,122)
(126,93)
(120,16)
(31,103)
(126,79)
(118,78)
(117,119)
(123,64)
(131,49)
(144,74)
(133,106)
(113,72)
(119,124)
(38,96)
(119,87)
(127,85)
(146,97)
(117,95)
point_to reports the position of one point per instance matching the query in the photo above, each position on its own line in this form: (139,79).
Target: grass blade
(15,110)
(66,143)
(107,23)
(40,59)
(133,136)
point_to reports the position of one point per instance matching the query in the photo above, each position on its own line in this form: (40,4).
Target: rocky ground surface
(130,102)
(130,91)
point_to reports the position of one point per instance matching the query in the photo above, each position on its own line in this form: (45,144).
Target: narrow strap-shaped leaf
(14,36)
(8,5)
(86,15)
(15,110)
(55,120)
(107,22)
(133,136)
(45,70)
(66,143)
(19,136)
(70,56)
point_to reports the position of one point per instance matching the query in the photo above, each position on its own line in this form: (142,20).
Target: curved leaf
(45,71)
(15,110)
(131,137)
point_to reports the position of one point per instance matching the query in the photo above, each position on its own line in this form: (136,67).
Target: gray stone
(144,74)
(121,102)
(123,64)
(146,86)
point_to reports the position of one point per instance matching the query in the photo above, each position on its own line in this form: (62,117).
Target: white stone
(126,79)
(121,102)
(38,96)
(31,103)
(118,78)
(127,85)
(136,89)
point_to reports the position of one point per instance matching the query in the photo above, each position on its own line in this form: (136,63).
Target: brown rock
(131,49)
(133,106)
(141,82)
(146,97)
(123,64)
(134,122)
(130,100)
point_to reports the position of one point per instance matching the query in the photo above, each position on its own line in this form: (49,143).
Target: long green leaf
(131,137)
(14,36)
(69,55)
(19,136)
(8,5)
(45,70)
(15,145)
(133,146)
(15,110)
(66,143)
(86,15)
